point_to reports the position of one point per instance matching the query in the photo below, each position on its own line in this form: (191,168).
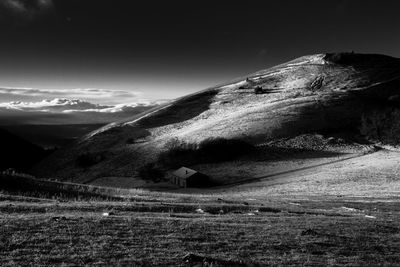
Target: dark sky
(166,49)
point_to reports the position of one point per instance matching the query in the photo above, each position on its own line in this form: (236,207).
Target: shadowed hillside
(51,135)
(18,153)
(323,92)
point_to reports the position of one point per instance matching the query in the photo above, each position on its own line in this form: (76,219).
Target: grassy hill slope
(313,93)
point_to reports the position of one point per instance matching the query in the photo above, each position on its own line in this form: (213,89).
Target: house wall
(182,182)
(179,181)
(198,180)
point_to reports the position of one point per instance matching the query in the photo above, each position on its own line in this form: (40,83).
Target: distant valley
(51,136)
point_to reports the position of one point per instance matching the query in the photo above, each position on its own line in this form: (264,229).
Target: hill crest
(308,94)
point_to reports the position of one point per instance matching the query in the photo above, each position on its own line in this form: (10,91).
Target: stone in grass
(309,232)
(106,214)
(200,211)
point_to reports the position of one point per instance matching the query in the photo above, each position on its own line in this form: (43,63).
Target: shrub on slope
(382,125)
(87,159)
(151,172)
(178,153)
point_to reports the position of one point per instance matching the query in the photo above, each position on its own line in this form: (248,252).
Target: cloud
(25,10)
(54,105)
(8,94)
(63,105)
(69,106)
(68,111)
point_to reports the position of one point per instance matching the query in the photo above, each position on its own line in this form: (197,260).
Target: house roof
(184,172)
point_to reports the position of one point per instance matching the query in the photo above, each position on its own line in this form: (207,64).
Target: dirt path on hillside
(286,176)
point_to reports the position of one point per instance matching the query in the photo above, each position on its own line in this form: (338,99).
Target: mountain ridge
(308,94)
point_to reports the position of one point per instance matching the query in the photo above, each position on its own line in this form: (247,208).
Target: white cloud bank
(8,94)
(67,111)
(75,106)
(54,105)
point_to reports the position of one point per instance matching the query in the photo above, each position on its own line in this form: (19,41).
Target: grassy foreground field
(176,230)
(345,213)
